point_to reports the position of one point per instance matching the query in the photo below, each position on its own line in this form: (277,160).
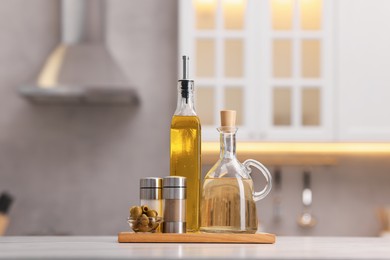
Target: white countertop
(108,248)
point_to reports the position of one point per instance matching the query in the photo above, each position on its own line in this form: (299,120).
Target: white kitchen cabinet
(270,60)
(328,80)
(363,73)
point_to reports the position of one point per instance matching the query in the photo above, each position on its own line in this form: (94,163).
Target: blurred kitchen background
(318,72)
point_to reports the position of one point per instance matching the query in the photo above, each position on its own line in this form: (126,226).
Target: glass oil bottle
(228,198)
(185,147)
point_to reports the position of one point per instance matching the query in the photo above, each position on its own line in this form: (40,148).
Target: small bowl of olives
(143,219)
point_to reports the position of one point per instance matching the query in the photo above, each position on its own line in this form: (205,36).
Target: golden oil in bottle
(185,161)
(228,205)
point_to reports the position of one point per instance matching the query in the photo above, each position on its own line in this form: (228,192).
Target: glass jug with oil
(228,197)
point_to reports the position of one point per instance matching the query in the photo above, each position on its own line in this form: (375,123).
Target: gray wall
(346,198)
(75,170)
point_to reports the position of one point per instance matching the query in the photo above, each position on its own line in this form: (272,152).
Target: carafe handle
(260,194)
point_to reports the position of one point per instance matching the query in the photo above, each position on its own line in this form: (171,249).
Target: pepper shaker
(175,198)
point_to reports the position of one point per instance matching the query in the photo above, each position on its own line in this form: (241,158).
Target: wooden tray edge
(258,238)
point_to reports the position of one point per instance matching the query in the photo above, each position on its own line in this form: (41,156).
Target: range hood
(81,69)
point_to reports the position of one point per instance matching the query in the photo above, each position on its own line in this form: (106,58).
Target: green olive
(144,220)
(152,213)
(135,212)
(136,227)
(145,209)
(143,228)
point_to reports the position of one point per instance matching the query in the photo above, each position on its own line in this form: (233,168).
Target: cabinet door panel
(364,70)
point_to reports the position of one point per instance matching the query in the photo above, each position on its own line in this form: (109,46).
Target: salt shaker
(151,193)
(175,197)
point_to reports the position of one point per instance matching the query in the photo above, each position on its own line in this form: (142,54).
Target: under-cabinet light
(303,148)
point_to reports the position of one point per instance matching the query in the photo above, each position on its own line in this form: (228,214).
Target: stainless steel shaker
(175,197)
(151,193)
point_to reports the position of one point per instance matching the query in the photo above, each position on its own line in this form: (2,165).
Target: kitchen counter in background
(108,248)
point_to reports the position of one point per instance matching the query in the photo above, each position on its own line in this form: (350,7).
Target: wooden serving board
(258,238)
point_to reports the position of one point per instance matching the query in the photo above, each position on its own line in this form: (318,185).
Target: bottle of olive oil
(186,146)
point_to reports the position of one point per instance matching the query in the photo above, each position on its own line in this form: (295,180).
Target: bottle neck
(185,98)
(228,143)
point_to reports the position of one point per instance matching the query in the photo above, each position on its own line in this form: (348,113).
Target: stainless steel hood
(81,69)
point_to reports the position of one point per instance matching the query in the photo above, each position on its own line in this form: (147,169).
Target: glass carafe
(228,197)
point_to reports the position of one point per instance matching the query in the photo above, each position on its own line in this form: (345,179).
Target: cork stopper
(228,118)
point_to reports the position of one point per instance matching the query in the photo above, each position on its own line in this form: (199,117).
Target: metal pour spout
(186,60)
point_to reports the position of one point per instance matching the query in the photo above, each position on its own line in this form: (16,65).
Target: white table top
(108,248)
